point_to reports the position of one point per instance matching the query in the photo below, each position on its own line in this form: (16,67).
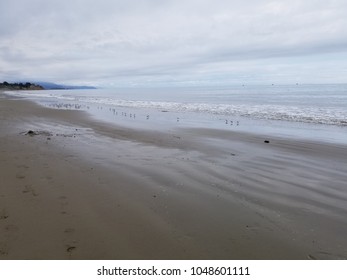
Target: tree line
(22,86)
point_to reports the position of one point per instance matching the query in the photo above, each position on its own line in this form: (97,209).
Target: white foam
(293,108)
(329,115)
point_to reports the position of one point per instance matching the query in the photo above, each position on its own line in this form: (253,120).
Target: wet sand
(77,188)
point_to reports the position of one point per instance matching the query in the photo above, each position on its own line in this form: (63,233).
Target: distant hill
(47,85)
(39,86)
(20,86)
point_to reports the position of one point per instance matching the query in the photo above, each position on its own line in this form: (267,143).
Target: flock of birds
(73,106)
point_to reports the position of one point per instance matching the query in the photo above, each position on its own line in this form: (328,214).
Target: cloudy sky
(173,42)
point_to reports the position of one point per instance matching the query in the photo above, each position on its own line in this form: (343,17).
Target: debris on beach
(31,133)
(66,135)
(47,134)
(37,132)
(70,249)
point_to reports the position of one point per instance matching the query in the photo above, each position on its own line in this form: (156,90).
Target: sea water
(314,112)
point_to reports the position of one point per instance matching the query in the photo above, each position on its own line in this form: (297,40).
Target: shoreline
(149,118)
(84,189)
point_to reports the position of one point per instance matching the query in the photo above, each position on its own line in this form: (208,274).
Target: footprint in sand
(23,166)
(69,230)
(71,245)
(70,249)
(11,228)
(3,214)
(30,190)
(3,249)
(63,204)
(20,176)
(9,234)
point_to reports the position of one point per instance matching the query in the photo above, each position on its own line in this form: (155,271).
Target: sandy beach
(78,188)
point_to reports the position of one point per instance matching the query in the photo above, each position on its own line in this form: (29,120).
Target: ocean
(311,112)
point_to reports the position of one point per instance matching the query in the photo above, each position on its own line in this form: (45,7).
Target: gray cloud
(111,42)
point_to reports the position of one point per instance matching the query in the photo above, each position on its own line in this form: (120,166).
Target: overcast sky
(173,42)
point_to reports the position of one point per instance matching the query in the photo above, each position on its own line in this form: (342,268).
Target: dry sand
(82,189)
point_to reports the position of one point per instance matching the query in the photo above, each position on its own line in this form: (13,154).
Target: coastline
(84,189)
